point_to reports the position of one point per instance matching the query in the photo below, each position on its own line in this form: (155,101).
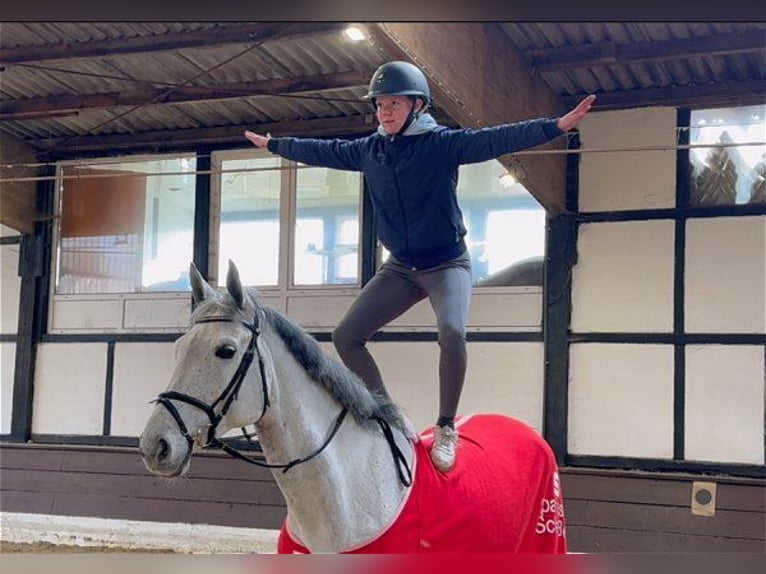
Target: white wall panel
(505,378)
(141,372)
(10,286)
(726,275)
(318,311)
(507,311)
(7,369)
(621,179)
(167,313)
(621,400)
(92,315)
(70,380)
(725,403)
(502,378)
(623,279)
(275,301)
(510,308)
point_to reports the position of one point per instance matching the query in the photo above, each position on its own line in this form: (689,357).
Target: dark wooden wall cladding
(18,193)
(607,511)
(113,483)
(616,512)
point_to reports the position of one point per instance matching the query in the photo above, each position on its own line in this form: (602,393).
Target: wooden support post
(34,270)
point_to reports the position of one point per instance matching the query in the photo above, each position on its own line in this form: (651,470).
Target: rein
(229,395)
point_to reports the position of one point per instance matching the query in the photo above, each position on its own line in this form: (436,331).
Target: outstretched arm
(475,145)
(335,154)
(569,121)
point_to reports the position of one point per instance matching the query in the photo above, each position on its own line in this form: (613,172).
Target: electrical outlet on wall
(703,498)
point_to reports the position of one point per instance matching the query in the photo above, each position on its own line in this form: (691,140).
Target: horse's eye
(225,351)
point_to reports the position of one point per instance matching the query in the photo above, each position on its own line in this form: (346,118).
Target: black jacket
(412,179)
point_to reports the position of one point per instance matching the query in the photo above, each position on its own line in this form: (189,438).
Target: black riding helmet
(400,79)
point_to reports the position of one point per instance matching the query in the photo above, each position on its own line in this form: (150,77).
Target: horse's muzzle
(165,454)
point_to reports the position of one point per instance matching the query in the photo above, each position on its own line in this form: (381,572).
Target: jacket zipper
(399,200)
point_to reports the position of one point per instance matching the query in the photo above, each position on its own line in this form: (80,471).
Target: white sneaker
(445,445)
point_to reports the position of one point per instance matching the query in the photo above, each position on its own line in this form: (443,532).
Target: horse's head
(220,380)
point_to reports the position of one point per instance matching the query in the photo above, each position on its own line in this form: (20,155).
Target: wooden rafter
(56,105)
(360,124)
(193,137)
(611,53)
(200,136)
(244,33)
(750,92)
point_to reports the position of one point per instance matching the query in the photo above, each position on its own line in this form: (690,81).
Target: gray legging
(394,289)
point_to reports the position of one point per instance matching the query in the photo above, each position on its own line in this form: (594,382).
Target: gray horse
(353,477)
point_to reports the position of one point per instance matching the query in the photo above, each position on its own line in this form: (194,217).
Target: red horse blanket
(502,495)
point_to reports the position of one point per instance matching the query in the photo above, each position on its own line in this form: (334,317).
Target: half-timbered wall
(665,377)
(668,306)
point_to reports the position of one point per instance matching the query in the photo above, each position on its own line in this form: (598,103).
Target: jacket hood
(424,123)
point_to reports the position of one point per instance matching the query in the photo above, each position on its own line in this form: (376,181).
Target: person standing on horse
(410,165)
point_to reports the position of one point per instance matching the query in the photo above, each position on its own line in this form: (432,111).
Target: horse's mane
(343,384)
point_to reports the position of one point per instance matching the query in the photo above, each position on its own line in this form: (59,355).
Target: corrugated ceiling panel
(636,75)
(321,53)
(46,33)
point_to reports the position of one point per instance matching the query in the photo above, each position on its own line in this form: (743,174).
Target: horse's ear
(234,285)
(201,289)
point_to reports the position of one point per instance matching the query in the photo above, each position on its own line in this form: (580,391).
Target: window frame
(288,208)
(116,298)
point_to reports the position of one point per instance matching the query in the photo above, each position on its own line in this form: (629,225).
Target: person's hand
(257,140)
(569,121)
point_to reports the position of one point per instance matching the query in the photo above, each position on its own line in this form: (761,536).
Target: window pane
(506,226)
(126,227)
(249,231)
(726,173)
(326,227)
(512,235)
(309,265)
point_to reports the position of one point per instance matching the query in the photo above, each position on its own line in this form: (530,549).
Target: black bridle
(228,396)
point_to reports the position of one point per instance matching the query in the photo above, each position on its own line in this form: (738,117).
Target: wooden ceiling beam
(57,105)
(233,34)
(610,53)
(363,123)
(480,78)
(726,94)
(357,125)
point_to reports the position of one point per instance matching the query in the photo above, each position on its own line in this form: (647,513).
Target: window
(506,226)
(249,230)
(326,227)
(732,170)
(267,203)
(126,226)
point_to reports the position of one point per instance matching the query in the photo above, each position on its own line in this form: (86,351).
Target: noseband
(227,397)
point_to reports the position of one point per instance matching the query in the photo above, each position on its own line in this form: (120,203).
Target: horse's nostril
(163,449)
